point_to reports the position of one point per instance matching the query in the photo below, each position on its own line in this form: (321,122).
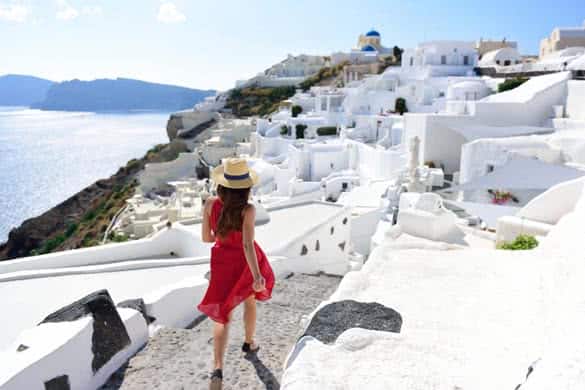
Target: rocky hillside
(257,101)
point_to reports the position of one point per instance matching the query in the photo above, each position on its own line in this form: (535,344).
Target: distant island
(98,95)
(20,90)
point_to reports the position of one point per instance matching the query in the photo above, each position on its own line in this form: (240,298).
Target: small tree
(511,84)
(296,110)
(400,106)
(300,130)
(397,52)
(327,130)
(283,130)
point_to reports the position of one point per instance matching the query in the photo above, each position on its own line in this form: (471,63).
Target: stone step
(182,358)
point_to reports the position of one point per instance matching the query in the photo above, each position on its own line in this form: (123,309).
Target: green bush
(511,84)
(132,165)
(323,74)
(52,244)
(400,106)
(327,130)
(300,130)
(522,242)
(72,228)
(283,130)
(89,216)
(296,110)
(118,237)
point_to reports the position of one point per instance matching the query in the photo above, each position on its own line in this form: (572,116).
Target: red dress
(231,279)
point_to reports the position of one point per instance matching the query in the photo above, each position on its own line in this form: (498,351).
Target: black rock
(332,320)
(304,250)
(58,383)
(22,347)
(138,305)
(109,333)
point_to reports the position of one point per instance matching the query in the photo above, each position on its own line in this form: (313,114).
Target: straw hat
(234,173)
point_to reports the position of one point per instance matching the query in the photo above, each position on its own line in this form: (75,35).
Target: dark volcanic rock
(58,383)
(109,333)
(138,305)
(332,320)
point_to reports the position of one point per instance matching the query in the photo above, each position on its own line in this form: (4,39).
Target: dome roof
(372,33)
(369,48)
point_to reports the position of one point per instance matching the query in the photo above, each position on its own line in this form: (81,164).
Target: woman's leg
(220,338)
(250,318)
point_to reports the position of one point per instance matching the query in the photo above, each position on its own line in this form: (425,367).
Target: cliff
(119,95)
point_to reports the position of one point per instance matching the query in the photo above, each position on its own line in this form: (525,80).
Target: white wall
(575,108)
(527,105)
(177,240)
(155,175)
(329,257)
(191,119)
(64,348)
(439,143)
(376,163)
(325,159)
(363,228)
(553,204)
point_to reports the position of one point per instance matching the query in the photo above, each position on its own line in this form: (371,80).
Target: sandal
(247,348)
(216,380)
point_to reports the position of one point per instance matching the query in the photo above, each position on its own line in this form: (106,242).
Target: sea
(48,156)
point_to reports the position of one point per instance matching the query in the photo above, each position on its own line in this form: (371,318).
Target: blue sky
(210,44)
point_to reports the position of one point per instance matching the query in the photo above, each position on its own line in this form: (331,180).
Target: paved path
(176,359)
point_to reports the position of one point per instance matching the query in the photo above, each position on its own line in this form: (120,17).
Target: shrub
(132,165)
(89,216)
(300,130)
(296,110)
(510,84)
(522,242)
(72,228)
(400,106)
(327,130)
(283,130)
(119,237)
(52,244)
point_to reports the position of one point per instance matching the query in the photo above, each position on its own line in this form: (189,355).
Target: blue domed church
(371,42)
(368,50)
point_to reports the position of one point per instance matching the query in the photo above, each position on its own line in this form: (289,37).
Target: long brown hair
(234,202)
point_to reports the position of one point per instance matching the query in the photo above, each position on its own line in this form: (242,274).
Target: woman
(240,271)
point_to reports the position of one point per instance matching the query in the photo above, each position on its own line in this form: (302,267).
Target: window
(489,168)
(498,62)
(443,60)
(465,60)
(411,61)
(507,62)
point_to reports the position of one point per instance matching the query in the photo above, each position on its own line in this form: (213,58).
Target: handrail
(112,223)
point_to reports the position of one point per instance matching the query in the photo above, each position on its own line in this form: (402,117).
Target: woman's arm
(206,232)
(249,250)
